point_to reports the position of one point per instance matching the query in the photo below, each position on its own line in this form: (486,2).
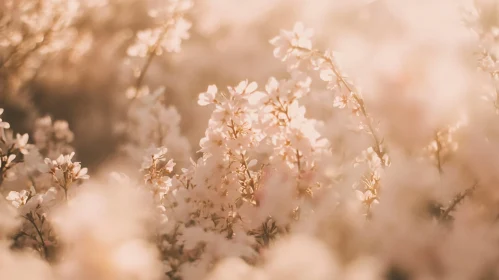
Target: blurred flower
(208,97)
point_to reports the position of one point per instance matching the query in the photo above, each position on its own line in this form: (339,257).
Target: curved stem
(40,235)
(445,214)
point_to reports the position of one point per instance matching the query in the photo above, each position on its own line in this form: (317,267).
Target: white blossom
(208,97)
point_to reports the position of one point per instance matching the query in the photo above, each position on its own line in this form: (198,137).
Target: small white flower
(154,154)
(272,86)
(208,97)
(287,40)
(18,198)
(340,101)
(244,87)
(22,143)
(327,74)
(3,125)
(8,159)
(78,172)
(170,165)
(63,166)
(302,36)
(258,98)
(213,142)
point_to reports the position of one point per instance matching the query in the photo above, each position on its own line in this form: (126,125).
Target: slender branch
(360,102)
(452,206)
(150,56)
(44,246)
(437,154)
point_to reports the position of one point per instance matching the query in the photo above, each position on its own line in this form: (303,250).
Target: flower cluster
(52,138)
(21,162)
(295,47)
(31,32)
(171,28)
(302,163)
(152,124)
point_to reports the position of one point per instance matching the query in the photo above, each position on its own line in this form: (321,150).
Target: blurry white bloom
(340,101)
(3,125)
(208,97)
(145,41)
(212,143)
(290,260)
(166,36)
(80,173)
(7,160)
(22,143)
(132,92)
(367,197)
(233,268)
(18,198)
(244,88)
(52,138)
(41,202)
(120,178)
(61,131)
(157,155)
(288,40)
(151,123)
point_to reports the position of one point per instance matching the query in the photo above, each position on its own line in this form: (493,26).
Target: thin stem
(437,154)
(445,214)
(46,35)
(252,182)
(284,110)
(150,56)
(360,102)
(40,235)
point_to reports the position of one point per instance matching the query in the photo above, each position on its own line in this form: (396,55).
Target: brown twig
(459,197)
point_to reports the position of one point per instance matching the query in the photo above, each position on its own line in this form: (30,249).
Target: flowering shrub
(375,160)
